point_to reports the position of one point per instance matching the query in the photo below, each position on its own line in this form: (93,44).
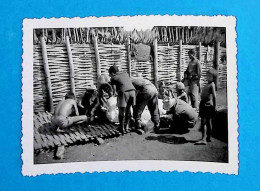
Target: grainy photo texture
(113,94)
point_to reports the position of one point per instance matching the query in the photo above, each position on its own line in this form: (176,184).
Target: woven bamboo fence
(86,61)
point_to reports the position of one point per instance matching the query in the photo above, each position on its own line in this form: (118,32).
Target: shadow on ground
(170,139)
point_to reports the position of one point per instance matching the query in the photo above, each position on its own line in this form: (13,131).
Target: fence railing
(60,68)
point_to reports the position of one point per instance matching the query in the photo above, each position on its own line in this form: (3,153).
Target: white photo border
(31,169)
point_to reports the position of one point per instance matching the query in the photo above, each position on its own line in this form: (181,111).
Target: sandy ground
(148,146)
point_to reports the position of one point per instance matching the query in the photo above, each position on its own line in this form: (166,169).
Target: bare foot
(201,142)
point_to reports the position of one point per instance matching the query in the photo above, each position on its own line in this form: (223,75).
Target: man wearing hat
(180,114)
(181,94)
(88,102)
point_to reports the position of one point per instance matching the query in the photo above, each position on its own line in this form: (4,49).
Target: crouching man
(67,114)
(147,95)
(180,115)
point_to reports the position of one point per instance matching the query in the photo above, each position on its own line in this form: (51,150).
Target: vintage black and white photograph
(130,93)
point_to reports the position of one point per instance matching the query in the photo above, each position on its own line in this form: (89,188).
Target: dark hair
(187,72)
(213,72)
(191,52)
(70,96)
(113,69)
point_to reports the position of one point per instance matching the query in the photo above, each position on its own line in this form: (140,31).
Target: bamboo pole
(217,62)
(47,73)
(200,55)
(180,62)
(129,57)
(155,63)
(97,56)
(72,82)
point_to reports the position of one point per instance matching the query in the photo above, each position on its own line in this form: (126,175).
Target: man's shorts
(206,110)
(125,98)
(61,121)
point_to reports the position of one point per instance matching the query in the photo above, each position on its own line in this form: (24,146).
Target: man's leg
(121,118)
(77,119)
(194,91)
(209,129)
(203,131)
(138,109)
(154,111)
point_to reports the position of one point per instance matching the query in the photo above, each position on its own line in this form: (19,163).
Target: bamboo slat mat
(45,137)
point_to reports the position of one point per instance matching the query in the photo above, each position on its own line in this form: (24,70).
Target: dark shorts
(206,110)
(125,98)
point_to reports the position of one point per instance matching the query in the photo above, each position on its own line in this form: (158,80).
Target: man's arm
(80,100)
(213,87)
(75,107)
(198,69)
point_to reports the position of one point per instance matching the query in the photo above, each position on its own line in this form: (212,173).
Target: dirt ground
(148,146)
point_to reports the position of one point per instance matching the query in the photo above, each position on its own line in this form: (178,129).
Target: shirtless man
(62,117)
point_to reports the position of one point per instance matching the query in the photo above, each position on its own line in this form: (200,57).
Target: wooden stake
(180,62)
(129,57)
(200,55)
(47,72)
(72,83)
(155,63)
(217,62)
(97,56)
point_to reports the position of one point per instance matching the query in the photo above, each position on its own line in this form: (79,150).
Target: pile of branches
(117,35)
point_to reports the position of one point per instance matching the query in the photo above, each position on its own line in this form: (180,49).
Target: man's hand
(80,105)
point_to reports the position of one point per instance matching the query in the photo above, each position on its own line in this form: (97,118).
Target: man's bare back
(66,108)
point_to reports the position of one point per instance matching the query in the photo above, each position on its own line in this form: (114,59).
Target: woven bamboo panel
(111,54)
(168,64)
(222,72)
(59,71)
(39,81)
(143,67)
(46,137)
(85,70)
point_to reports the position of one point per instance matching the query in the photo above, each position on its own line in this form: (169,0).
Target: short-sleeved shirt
(140,83)
(194,70)
(184,112)
(122,82)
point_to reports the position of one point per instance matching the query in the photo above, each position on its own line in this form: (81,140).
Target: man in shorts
(63,115)
(121,82)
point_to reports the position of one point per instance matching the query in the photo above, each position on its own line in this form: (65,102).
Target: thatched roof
(117,35)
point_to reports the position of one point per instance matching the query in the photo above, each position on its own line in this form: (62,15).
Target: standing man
(147,94)
(121,82)
(194,70)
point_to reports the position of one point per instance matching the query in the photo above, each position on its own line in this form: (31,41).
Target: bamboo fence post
(200,55)
(155,63)
(72,82)
(47,72)
(97,56)
(129,57)
(180,62)
(217,62)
